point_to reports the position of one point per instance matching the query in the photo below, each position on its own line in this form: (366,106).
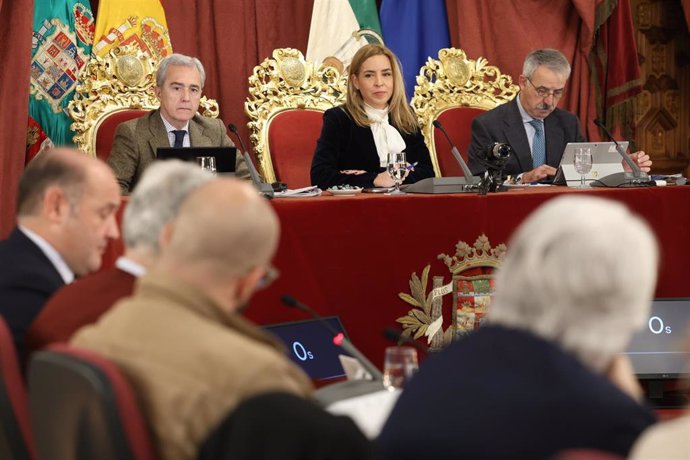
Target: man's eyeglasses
(545,92)
(269,277)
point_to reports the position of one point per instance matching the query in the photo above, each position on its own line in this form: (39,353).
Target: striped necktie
(538,145)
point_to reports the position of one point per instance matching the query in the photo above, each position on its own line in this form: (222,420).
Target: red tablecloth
(351,256)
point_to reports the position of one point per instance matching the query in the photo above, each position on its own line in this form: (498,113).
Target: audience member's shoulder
(667,440)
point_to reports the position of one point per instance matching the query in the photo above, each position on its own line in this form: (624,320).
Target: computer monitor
(225,156)
(310,345)
(660,354)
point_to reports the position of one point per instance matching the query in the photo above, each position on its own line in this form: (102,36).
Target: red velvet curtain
(16,20)
(505,32)
(231,37)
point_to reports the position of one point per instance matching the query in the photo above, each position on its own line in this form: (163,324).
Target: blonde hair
(400,111)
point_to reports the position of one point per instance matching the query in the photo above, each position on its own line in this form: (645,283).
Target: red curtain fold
(686,9)
(505,32)
(230,38)
(16,22)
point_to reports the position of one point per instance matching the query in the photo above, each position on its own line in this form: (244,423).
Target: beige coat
(136,142)
(189,362)
(668,440)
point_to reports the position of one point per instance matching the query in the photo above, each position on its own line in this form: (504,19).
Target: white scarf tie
(386,137)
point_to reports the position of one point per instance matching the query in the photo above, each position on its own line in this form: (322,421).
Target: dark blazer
(76,305)
(503,393)
(27,279)
(504,124)
(344,145)
(136,142)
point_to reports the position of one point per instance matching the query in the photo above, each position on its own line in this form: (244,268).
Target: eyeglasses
(269,277)
(545,92)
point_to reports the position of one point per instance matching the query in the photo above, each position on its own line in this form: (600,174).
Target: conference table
(352,256)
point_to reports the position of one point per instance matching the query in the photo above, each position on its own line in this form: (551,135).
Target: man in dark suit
(66,216)
(152,206)
(546,373)
(179,82)
(534,127)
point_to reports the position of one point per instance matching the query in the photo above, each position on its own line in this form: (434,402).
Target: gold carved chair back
(471,285)
(113,89)
(454,89)
(287,98)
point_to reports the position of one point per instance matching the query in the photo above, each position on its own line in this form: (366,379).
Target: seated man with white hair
(545,374)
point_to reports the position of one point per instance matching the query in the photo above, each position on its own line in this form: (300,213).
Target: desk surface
(351,256)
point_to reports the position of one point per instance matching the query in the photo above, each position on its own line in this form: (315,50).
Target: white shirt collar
(169,127)
(51,253)
(129,266)
(526,117)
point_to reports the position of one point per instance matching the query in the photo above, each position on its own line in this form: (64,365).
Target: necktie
(179,137)
(538,145)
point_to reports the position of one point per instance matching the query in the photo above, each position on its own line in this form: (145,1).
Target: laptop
(605,160)
(310,345)
(225,156)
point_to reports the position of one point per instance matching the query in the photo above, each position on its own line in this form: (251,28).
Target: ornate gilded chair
(287,98)
(454,89)
(114,89)
(471,285)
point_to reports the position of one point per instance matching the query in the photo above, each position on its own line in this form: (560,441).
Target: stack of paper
(303,192)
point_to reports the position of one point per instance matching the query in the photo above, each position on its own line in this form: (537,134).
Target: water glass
(397,169)
(583,164)
(399,365)
(207,163)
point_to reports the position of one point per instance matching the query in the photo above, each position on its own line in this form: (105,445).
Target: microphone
(469,177)
(395,335)
(263,188)
(338,338)
(638,174)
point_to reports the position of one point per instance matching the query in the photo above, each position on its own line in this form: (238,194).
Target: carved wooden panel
(662,110)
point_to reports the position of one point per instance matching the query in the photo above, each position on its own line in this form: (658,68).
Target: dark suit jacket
(77,305)
(506,394)
(504,124)
(137,140)
(344,145)
(27,279)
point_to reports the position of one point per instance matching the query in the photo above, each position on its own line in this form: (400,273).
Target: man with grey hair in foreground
(181,339)
(179,83)
(546,373)
(151,207)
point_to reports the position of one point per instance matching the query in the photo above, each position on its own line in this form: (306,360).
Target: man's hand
(641,159)
(538,174)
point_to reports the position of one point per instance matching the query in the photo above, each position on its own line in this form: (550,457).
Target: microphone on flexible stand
(469,177)
(395,335)
(263,187)
(339,338)
(639,177)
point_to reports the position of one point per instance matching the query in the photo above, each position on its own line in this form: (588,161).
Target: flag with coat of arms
(132,22)
(61,44)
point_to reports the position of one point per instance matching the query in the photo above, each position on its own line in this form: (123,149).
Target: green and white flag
(333,23)
(61,45)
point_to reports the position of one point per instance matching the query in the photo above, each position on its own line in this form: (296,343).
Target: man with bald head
(66,216)
(180,339)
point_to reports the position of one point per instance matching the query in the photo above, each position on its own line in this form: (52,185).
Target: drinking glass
(583,164)
(207,163)
(397,168)
(399,365)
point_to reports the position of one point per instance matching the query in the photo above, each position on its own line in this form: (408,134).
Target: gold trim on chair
(287,82)
(453,81)
(125,79)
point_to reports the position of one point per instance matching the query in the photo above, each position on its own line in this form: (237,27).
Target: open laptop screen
(225,156)
(605,161)
(310,345)
(660,350)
